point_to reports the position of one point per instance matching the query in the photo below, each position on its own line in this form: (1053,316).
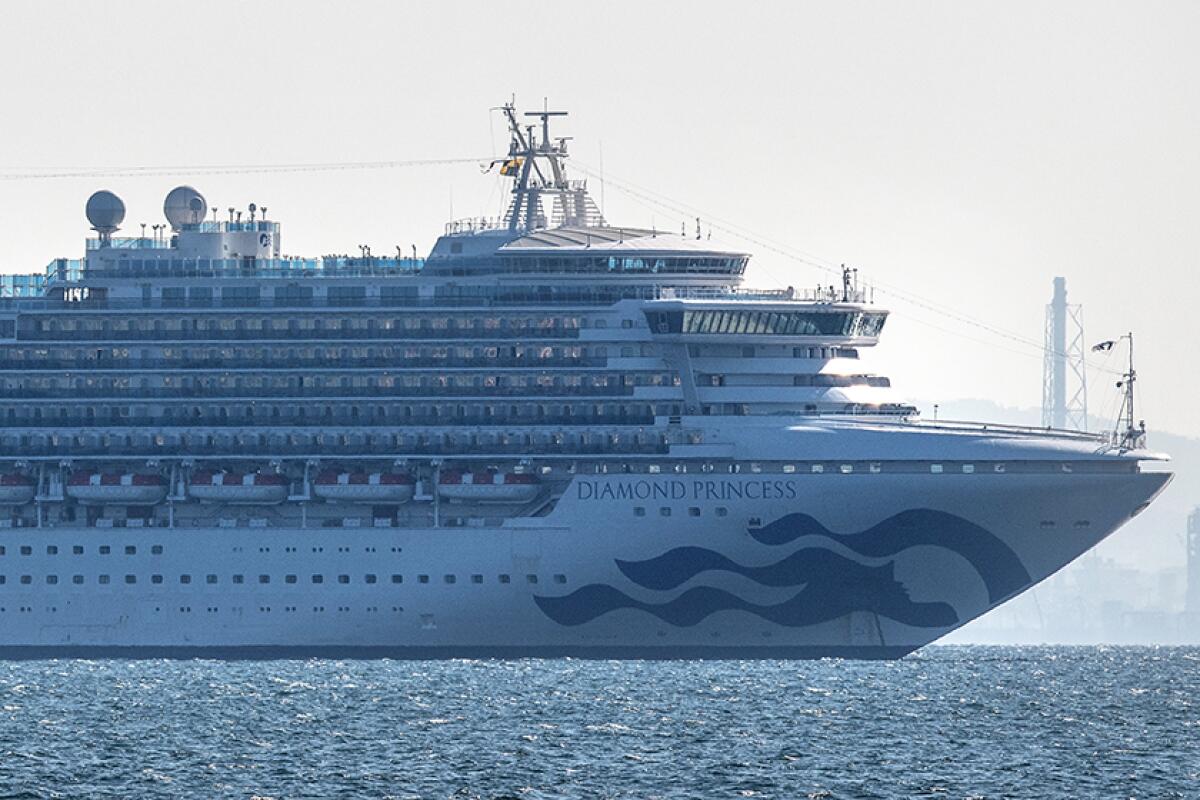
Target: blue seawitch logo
(830,584)
(1002,572)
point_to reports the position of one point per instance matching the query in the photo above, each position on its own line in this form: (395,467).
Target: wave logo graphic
(830,584)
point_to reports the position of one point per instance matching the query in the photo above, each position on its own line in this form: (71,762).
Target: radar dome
(105,211)
(184,206)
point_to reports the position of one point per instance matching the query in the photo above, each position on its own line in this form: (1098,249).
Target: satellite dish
(105,211)
(184,206)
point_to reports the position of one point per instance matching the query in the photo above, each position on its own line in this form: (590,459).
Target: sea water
(953,722)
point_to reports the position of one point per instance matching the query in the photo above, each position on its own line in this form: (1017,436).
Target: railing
(394,335)
(397,363)
(133,394)
(993,427)
(129,243)
(475,224)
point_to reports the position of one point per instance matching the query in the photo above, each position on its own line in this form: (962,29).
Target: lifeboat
(239,488)
(364,487)
(488,487)
(117,488)
(16,489)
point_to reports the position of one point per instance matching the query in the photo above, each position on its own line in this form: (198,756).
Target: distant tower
(1064,372)
(1192,603)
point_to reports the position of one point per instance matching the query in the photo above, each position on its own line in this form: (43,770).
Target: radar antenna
(527,155)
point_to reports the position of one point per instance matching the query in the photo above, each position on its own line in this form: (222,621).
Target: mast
(537,168)
(1134,436)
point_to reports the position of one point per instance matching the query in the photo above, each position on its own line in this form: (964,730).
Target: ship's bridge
(585,252)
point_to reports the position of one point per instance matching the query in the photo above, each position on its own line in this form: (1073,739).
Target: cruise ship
(552,436)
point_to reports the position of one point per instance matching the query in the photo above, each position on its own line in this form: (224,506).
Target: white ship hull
(877,566)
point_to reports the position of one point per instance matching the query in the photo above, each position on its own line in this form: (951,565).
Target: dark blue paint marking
(810,606)
(1002,572)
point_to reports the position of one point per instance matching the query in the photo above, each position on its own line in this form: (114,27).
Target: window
(560,578)
(210,578)
(343,578)
(29,579)
(846,469)
(531,578)
(639,511)
(77,550)
(476,579)
(693,511)
(318,578)
(397,579)
(130,550)
(51,550)
(185,578)
(422,579)
(936,469)
(156,550)
(75,579)
(722,511)
(156,579)
(665,511)
(370,578)
(506,579)
(52,579)
(968,469)
(289,578)
(264,578)
(449,578)
(26,550)
(131,579)
(817,469)
(239,578)
(104,579)
(105,549)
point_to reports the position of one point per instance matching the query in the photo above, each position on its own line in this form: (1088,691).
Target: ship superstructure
(552,435)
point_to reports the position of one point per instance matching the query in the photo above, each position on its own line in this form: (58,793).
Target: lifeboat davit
(364,487)
(16,489)
(239,488)
(488,487)
(117,488)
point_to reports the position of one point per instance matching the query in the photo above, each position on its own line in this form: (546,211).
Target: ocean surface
(953,722)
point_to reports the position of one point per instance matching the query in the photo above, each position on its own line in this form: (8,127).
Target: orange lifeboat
(489,486)
(16,489)
(117,488)
(238,488)
(364,487)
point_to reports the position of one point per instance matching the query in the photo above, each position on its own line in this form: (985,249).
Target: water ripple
(950,722)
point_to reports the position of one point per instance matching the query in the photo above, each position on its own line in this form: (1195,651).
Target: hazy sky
(965,153)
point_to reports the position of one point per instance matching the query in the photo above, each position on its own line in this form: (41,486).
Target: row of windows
(692,511)
(283,384)
(315,578)
(104,550)
(231,609)
(772,323)
(312,413)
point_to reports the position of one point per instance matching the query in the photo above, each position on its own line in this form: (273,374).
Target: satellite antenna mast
(537,168)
